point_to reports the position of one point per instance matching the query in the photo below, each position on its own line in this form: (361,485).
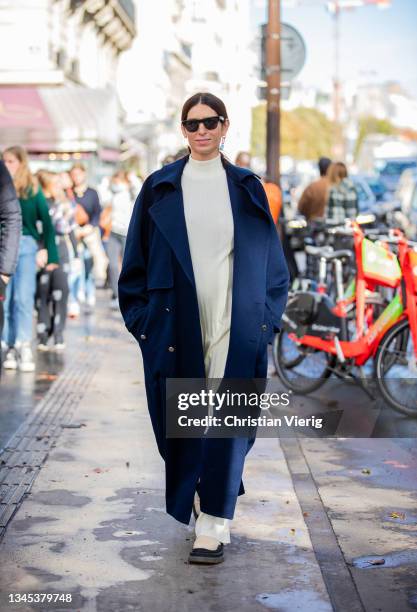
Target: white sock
(206,542)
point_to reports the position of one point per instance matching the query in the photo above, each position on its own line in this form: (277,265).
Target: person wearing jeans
(10,228)
(93,253)
(20,293)
(120,198)
(18,306)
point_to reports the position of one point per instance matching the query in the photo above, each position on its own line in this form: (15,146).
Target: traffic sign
(293,52)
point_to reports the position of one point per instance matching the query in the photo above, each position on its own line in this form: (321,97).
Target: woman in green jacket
(20,293)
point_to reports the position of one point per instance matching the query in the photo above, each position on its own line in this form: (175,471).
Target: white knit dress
(209,221)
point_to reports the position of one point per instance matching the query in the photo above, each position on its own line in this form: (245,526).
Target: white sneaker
(10,359)
(26,362)
(91,301)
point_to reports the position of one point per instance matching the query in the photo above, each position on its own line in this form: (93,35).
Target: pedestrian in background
(52,286)
(93,255)
(10,229)
(343,197)
(202,238)
(119,200)
(314,198)
(76,266)
(243,159)
(20,293)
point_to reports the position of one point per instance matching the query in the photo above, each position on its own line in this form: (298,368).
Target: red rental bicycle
(321,337)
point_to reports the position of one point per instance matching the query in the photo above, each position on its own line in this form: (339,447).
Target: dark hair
(210,100)
(204,98)
(324,163)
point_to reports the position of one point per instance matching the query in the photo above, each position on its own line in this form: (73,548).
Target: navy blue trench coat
(158,301)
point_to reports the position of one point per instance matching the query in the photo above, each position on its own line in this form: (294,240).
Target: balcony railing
(114,18)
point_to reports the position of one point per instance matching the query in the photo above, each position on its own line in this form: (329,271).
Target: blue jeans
(87,282)
(20,295)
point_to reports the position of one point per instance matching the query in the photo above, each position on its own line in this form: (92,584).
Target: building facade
(58,67)
(189,46)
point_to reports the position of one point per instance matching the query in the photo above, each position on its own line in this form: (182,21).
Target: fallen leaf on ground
(366,471)
(46,376)
(376,561)
(292,531)
(100,470)
(398,515)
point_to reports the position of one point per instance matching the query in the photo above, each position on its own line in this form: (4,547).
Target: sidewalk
(94,524)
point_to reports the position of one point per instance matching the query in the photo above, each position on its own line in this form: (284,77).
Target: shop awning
(62,119)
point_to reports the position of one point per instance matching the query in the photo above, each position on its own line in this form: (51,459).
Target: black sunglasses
(210,123)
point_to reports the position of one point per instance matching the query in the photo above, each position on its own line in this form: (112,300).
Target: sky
(375,45)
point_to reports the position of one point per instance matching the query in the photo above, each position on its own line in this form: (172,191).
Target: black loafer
(205,556)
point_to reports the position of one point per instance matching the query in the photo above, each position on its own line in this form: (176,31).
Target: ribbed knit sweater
(209,221)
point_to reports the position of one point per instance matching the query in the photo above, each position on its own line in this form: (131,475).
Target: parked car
(406,199)
(391,171)
(366,197)
(377,187)
(383,210)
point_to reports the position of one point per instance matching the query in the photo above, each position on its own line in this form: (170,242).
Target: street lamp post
(273,89)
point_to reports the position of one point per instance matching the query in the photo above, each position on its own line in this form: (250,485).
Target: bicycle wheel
(395,369)
(301,368)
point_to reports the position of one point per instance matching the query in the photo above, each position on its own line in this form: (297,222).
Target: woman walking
(20,293)
(202,288)
(343,197)
(52,286)
(120,200)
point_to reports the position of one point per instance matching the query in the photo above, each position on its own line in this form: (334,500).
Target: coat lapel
(168,215)
(251,244)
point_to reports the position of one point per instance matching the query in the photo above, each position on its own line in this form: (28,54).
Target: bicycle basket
(379,264)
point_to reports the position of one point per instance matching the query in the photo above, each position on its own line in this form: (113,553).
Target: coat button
(142,337)
(264,327)
(171,349)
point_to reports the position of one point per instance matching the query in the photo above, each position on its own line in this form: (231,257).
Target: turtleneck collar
(207,167)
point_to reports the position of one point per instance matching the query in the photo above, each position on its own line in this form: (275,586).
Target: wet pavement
(21,391)
(310,534)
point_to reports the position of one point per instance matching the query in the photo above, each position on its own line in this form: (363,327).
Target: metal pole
(337,145)
(273,79)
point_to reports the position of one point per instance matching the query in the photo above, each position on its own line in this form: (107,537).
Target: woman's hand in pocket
(51,267)
(3,284)
(41,258)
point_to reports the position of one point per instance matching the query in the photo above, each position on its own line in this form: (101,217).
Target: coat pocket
(155,332)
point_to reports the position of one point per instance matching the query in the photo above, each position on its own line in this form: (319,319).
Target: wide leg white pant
(213,526)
